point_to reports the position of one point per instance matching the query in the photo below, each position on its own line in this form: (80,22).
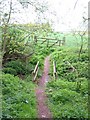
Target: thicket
(68,94)
(18,97)
(19,59)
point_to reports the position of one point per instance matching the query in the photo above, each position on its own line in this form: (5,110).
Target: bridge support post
(64,39)
(54,70)
(47,42)
(35,39)
(59,42)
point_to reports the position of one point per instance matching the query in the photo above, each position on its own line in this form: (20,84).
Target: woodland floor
(43,110)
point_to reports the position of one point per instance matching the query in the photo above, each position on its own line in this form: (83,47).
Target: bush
(68,111)
(63,69)
(84,86)
(17,65)
(9,84)
(65,102)
(62,84)
(84,57)
(18,98)
(82,69)
(9,70)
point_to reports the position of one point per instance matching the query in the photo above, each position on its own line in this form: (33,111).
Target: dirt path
(43,110)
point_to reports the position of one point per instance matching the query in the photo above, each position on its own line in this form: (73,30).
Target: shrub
(9,70)
(17,65)
(84,57)
(65,102)
(18,98)
(65,95)
(62,84)
(82,69)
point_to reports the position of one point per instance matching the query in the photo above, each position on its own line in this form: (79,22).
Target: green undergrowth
(18,93)
(65,101)
(16,67)
(68,94)
(41,52)
(64,70)
(18,97)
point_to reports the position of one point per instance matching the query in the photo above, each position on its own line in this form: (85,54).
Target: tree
(5,38)
(81,34)
(39,6)
(10,30)
(82,42)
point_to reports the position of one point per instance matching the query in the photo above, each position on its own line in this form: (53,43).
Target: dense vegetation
(67,95)
(18,98)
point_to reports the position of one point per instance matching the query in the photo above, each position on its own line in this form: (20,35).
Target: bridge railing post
(54,70)
(47,42)
(35,39)
(59,42)
(35,72)
(64,39)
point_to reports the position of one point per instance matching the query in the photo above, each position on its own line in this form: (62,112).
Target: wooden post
(28,39)
(36,67)
(53,44)
(47,42)
(35,72)
(26,60)
(63,41)
(35,39)
(59,42)
(43,41)
(54,70)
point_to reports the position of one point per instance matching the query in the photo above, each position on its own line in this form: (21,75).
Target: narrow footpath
(43,110)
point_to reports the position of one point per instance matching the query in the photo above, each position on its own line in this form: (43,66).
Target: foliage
(63,95)
(9,70)
(62,84)
(12,48)
(17,65)
(18,40)
(40,53)
(18,98)
(71,87)
(64,70)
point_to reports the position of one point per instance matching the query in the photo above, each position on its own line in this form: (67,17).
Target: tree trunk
(81,47)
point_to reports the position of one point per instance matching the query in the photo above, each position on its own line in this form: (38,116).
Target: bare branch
(75,4)
(85,19)
(9,12)
(40,8)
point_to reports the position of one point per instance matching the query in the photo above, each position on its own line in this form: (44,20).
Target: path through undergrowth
(43,110)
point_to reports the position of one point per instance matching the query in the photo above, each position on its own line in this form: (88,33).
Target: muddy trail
(43,110)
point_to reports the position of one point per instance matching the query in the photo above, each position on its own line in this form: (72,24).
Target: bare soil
(43,110)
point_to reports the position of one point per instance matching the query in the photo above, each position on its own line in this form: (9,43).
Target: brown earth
(43,110)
